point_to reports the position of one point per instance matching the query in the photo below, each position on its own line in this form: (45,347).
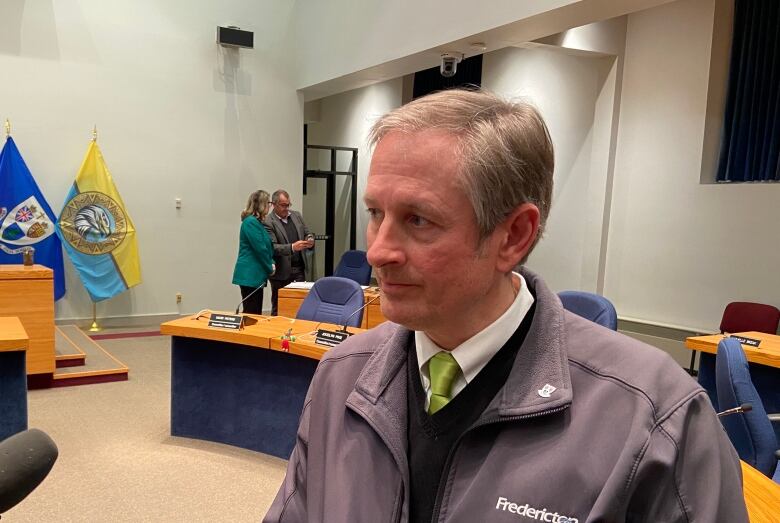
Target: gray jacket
(282,244)
(626,435)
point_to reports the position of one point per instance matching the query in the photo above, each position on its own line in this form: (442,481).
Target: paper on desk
(300,285)
(310,284)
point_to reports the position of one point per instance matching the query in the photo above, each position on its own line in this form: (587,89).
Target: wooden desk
(13,377)
(230,387)
(764,362)
(290,301)
(257,334)
(767,353)
(28,293)
(762,496)
(304,344)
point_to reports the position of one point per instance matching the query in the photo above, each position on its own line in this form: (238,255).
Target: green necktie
(443,370)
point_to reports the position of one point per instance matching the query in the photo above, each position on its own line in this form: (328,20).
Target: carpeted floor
(118,462)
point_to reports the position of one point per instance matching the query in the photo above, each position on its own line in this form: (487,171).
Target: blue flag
(26,220)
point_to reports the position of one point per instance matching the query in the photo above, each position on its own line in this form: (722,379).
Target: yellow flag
(97,231)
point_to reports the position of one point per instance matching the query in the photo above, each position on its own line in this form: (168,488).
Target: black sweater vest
(432,438)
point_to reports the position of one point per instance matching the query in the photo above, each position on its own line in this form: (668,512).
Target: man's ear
(518,232)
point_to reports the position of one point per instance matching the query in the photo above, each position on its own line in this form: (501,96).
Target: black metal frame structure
(330,194)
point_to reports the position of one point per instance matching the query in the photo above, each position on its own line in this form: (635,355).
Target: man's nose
(385,247)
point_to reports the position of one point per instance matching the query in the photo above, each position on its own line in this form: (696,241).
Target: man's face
(282,206)
(422,235)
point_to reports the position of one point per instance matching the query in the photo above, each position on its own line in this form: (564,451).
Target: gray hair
(277,193)
(504,147)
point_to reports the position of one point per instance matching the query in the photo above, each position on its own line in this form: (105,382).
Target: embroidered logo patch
(547,390)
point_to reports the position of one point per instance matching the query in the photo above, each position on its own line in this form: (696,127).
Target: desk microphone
(247,297)
(369,302)
(25,460)
(745,407)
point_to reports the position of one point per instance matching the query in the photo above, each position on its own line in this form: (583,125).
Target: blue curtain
(750,145)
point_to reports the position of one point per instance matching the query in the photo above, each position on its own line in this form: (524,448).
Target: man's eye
(418,221)
(374,213)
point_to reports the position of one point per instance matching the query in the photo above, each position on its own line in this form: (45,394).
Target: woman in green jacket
(255,253)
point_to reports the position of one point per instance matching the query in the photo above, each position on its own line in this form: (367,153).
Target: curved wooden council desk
(13,377)
(762,496)
(240,387)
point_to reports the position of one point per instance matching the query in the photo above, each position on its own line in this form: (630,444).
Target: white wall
(371,32)
(344,120)
(679,250)
(373,41)
(565,89)
(177,116)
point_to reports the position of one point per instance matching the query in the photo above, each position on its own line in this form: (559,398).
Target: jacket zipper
(443,484)
(396,457)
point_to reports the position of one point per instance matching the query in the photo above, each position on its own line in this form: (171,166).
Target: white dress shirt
(474,353)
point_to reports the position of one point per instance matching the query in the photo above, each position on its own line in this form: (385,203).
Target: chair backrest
(751,433)
(590,306)
(333,300)
(354,265)
(742,316)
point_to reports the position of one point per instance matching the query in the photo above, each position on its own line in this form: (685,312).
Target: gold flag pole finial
(94,133)
(7,128)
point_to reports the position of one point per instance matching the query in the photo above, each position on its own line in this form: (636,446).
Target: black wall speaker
(235,37)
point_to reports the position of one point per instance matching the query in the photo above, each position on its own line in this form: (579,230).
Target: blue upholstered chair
(751,432)
(354,265)
(590,306)
(332,300)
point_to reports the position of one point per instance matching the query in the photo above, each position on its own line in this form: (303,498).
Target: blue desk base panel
(243,396)
(13,393)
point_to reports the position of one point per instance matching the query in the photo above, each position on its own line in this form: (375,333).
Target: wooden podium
(28,293)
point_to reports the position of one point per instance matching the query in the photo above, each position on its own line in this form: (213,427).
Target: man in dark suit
(290,237)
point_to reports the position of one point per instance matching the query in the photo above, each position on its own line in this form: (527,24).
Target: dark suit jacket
(282,244)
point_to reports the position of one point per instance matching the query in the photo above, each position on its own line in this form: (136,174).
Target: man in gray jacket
(482,399)
(290,237)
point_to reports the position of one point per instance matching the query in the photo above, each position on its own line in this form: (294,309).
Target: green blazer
(255,254)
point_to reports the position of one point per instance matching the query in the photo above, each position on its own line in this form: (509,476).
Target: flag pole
(7,128)
(95,327)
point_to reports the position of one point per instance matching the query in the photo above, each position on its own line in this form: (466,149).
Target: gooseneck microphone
(247,297)
(745,407)
(369,302)
(25,460)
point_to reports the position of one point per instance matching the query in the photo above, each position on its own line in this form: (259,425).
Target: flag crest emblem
(93,223)
(26,224)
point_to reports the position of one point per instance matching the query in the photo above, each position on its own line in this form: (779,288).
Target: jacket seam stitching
(621,383)
(345,356)
(287,502)
(641,455)
(674,482)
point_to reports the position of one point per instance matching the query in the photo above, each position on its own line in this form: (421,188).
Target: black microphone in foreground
(745,407)
(247,297)
(369,302)
(25,460)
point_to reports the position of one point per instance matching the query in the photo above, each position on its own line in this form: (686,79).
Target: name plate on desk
(225,321)
(330,338)
(752,342)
